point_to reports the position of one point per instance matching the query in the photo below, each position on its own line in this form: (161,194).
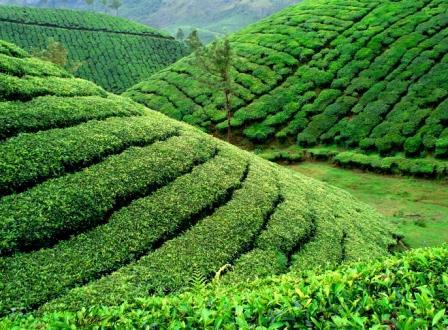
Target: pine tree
(216,62)
(89,3)
(104,3)
(115,4)
(180,35)
(193,41)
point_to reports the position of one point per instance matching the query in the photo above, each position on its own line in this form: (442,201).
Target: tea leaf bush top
(103,201)
(361,74)
(113,52)
(403,292)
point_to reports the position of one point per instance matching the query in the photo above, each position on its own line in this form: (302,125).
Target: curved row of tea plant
(403,292)
(359,74)
(118,202)
(113,52)
(418,167)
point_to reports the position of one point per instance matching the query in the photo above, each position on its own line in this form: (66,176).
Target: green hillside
(406,292)
(365,74)
(103,200)
(114,53)
(211,17)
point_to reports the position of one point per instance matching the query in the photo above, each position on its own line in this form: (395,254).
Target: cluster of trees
(112,4)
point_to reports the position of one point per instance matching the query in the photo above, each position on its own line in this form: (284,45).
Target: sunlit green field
(419,207)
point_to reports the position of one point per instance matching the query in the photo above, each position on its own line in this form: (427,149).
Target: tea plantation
(103,201)
(113,52)
(359,74)
(409,292)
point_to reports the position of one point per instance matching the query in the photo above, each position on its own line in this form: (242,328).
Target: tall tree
(89,3)
(115,4)
(180,35)
(193,41)
(104,3)
(216,62)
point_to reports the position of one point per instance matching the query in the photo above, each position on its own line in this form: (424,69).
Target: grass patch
(419,207)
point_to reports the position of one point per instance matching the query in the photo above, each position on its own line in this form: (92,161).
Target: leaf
(438,316)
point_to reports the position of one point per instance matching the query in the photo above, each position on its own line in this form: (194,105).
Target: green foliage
(105,201)
(216,62)
(207,246)
(405,292)
(372,76)
(79,257)
(57,54)
(28,87)
(113,52)
(47,112)
(76,201)
(442,148)
(57,151)
(430,168)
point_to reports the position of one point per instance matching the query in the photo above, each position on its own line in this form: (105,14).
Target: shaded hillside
(103,200)
(360,74)
(113,52)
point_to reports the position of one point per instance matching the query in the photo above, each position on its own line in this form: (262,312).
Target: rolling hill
(113,52)
(103,201)
(360,75)
(211,17)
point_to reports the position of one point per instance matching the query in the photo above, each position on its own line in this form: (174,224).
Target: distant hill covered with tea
(211,17)
(366,75)
(113,52)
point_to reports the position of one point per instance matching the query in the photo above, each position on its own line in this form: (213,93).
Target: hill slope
(367,74)
(103,200)
(114,52)
(211,17)
(402,292)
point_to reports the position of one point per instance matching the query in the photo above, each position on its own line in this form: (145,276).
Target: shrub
(49,112)
(31,158)
(442,148)
(412,145)
(412,287)
(82,199)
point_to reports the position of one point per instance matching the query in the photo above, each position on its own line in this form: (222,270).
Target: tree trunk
(229,114)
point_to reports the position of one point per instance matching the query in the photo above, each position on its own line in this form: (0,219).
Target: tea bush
(404,292)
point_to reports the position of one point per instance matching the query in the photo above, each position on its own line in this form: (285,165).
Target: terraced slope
(405,291)
(368,74)
(103,200)
(114,52)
